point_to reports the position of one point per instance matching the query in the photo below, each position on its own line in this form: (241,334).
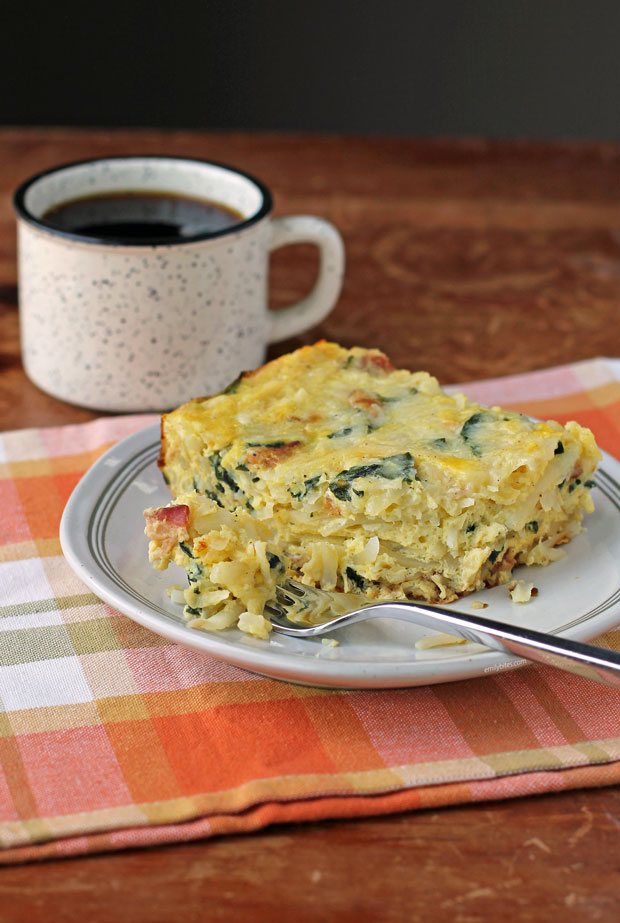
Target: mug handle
(304,229)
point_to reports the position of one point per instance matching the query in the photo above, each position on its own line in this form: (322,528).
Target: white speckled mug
(120,325)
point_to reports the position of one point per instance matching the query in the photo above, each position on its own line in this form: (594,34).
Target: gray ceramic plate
(103,540)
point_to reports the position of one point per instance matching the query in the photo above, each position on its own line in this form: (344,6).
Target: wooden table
(467,258)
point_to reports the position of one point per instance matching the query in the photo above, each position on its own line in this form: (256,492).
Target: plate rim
(79,521)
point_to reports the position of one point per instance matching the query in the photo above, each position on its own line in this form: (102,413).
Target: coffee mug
(131,319)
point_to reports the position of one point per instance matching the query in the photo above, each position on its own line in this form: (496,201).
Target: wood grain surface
(470,259)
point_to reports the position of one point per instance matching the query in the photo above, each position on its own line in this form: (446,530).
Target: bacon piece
(363,400)
(577,470)
(166,526)
(177,515)
(507,563)
(375,362)
(268,456)
(330,507)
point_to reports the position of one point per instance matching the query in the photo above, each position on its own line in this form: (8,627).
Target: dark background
(504,68)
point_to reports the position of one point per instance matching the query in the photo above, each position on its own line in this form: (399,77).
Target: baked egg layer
(331,466)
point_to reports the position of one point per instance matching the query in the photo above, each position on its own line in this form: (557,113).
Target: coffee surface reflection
(141,215)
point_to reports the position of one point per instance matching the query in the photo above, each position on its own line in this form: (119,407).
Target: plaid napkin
(112,737)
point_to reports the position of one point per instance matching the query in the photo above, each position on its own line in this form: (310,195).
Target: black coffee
(142,215)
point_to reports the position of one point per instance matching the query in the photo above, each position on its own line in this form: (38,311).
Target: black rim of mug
(233,229)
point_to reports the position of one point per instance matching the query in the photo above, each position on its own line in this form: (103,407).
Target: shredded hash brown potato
(330,466)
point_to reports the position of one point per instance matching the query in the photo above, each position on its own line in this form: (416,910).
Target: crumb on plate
(521,592)
(441,639)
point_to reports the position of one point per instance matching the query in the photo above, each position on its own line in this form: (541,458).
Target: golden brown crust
(309,348)
(268,456)
(161,458)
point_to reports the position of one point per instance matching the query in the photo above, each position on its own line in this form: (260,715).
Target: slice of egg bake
(332,466)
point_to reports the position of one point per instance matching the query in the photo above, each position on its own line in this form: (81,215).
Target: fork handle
(595,663)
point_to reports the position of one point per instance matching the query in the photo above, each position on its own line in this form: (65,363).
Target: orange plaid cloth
(112,737)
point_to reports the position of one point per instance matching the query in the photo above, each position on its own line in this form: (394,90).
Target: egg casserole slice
(330,465)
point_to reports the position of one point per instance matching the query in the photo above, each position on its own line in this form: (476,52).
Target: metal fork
(293,598)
